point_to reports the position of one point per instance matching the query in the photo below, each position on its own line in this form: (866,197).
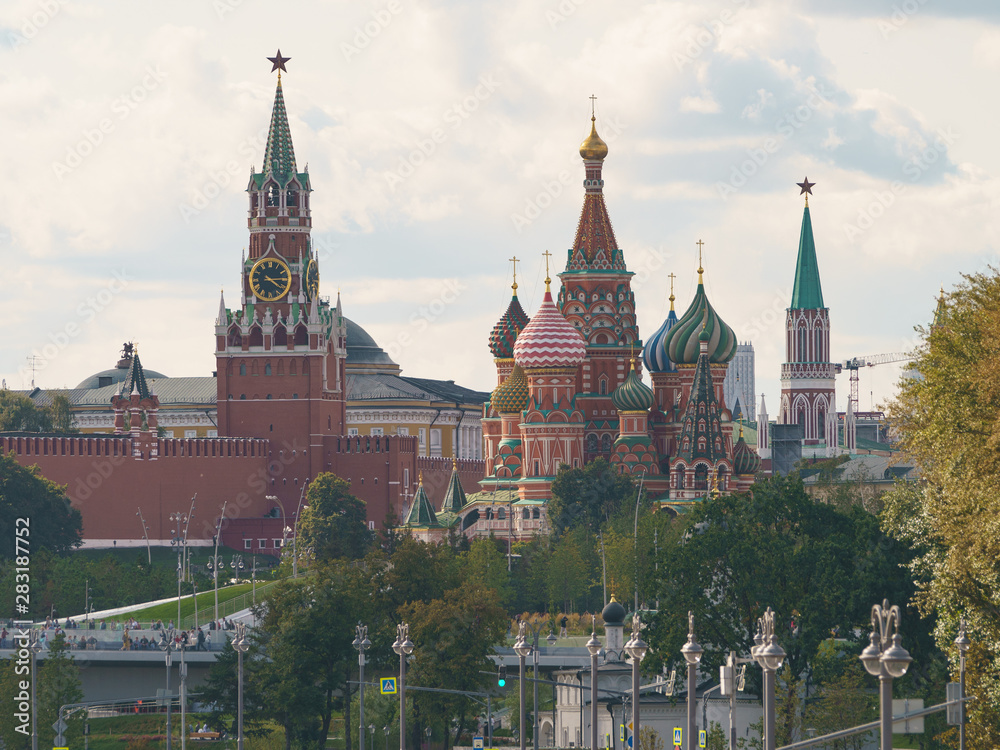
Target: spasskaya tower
(280,355)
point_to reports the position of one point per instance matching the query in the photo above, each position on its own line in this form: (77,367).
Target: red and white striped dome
(549,340)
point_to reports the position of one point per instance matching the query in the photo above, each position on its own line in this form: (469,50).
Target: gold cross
(593,103)
(547,255)
(672,276)
(701,270)
(514,261)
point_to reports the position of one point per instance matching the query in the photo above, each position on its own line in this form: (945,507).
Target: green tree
(649,738)
(947,422)
(58,685)
(589,496)
(454,637)
(18,413)
(50,520)
(819,569)
(486,564)
(334,524)
(60,414)
(568,573)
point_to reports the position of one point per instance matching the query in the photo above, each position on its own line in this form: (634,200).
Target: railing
(232,606)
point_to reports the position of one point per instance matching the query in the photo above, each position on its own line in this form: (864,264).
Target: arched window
(301,335)
(605,443)
(243,368)
(803,357)
(280,336)
(272,194)
(592,443)
(235,339)
(267,368)
(603,385)
(680,479)
(256,336)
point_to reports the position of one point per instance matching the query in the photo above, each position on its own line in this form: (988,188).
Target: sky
(442,139)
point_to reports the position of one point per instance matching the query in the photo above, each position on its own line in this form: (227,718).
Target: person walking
(562,627)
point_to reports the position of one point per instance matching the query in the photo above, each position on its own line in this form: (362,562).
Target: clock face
(270,279)
(312,279)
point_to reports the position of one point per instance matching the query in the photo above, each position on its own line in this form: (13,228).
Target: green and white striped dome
(681,341)
(632,394)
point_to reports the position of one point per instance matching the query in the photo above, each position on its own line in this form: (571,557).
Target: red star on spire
(278,62)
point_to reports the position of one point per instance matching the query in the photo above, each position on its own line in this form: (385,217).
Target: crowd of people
(195,639)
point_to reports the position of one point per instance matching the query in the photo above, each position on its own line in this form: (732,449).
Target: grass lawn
(148,731)
(206,599)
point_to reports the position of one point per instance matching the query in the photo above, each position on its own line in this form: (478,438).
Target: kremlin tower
(808,395)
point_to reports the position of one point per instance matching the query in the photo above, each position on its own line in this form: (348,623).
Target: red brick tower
(596,298)
(280,355)
(808,393)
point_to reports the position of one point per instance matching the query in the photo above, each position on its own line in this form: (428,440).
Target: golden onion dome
(593,147)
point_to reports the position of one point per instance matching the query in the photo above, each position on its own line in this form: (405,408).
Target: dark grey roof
(383,385)
(446,390)
(362,348)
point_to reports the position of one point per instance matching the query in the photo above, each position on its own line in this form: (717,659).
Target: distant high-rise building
(739,386)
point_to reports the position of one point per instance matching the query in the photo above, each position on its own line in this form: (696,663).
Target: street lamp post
(522,648)
(183,696)
(594,648)
(385,731)
(178,541)
(34,646)
(361,643)
(692,653)
(241,646)
(214,564)
(636,648)
(145,535)
(167,645)
(962,642)
(404,647)
(885,661)
(770,656)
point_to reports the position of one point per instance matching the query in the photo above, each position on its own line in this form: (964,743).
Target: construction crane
(872,360)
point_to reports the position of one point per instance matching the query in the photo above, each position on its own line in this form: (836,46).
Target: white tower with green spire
(808,392)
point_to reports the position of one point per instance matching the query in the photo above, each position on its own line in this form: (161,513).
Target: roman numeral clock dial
(270,279)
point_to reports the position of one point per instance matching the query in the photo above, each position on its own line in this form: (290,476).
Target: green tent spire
(807,293)
(421,513)
(454,498)
(279,158)
(136,378)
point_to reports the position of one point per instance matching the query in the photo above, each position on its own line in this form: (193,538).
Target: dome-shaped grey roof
(362,350)
(613,613)
(117,375)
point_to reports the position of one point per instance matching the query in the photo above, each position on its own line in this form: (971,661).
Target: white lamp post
(636,648)
(594,648)
(241,646)
(770,656)
(404,647)
(522,648)
(692,653)
(885,661)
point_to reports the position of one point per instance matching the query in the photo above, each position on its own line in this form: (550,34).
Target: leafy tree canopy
(334,524)
(948,421)
(589,496)
(51,521)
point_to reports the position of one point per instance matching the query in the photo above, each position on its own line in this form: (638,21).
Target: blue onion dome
(654,354)
(511,396)
(632,394)
(682,340)
(745,458)
(505,332)
(613,613)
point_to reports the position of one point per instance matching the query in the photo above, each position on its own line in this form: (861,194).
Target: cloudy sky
(442,139)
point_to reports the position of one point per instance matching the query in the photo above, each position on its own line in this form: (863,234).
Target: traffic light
(502,675)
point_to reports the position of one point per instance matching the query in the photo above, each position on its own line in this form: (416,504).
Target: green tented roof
(807,293)
(421,513)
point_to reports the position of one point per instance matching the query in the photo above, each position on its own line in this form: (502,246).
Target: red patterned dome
(549,340)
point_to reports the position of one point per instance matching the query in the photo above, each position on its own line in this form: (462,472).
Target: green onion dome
(633,394)
(682,340)
(511,396)
(745,458)
(505,332)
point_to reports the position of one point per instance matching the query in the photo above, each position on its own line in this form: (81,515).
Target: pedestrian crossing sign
(702,738)
(388,685)
(677,737)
